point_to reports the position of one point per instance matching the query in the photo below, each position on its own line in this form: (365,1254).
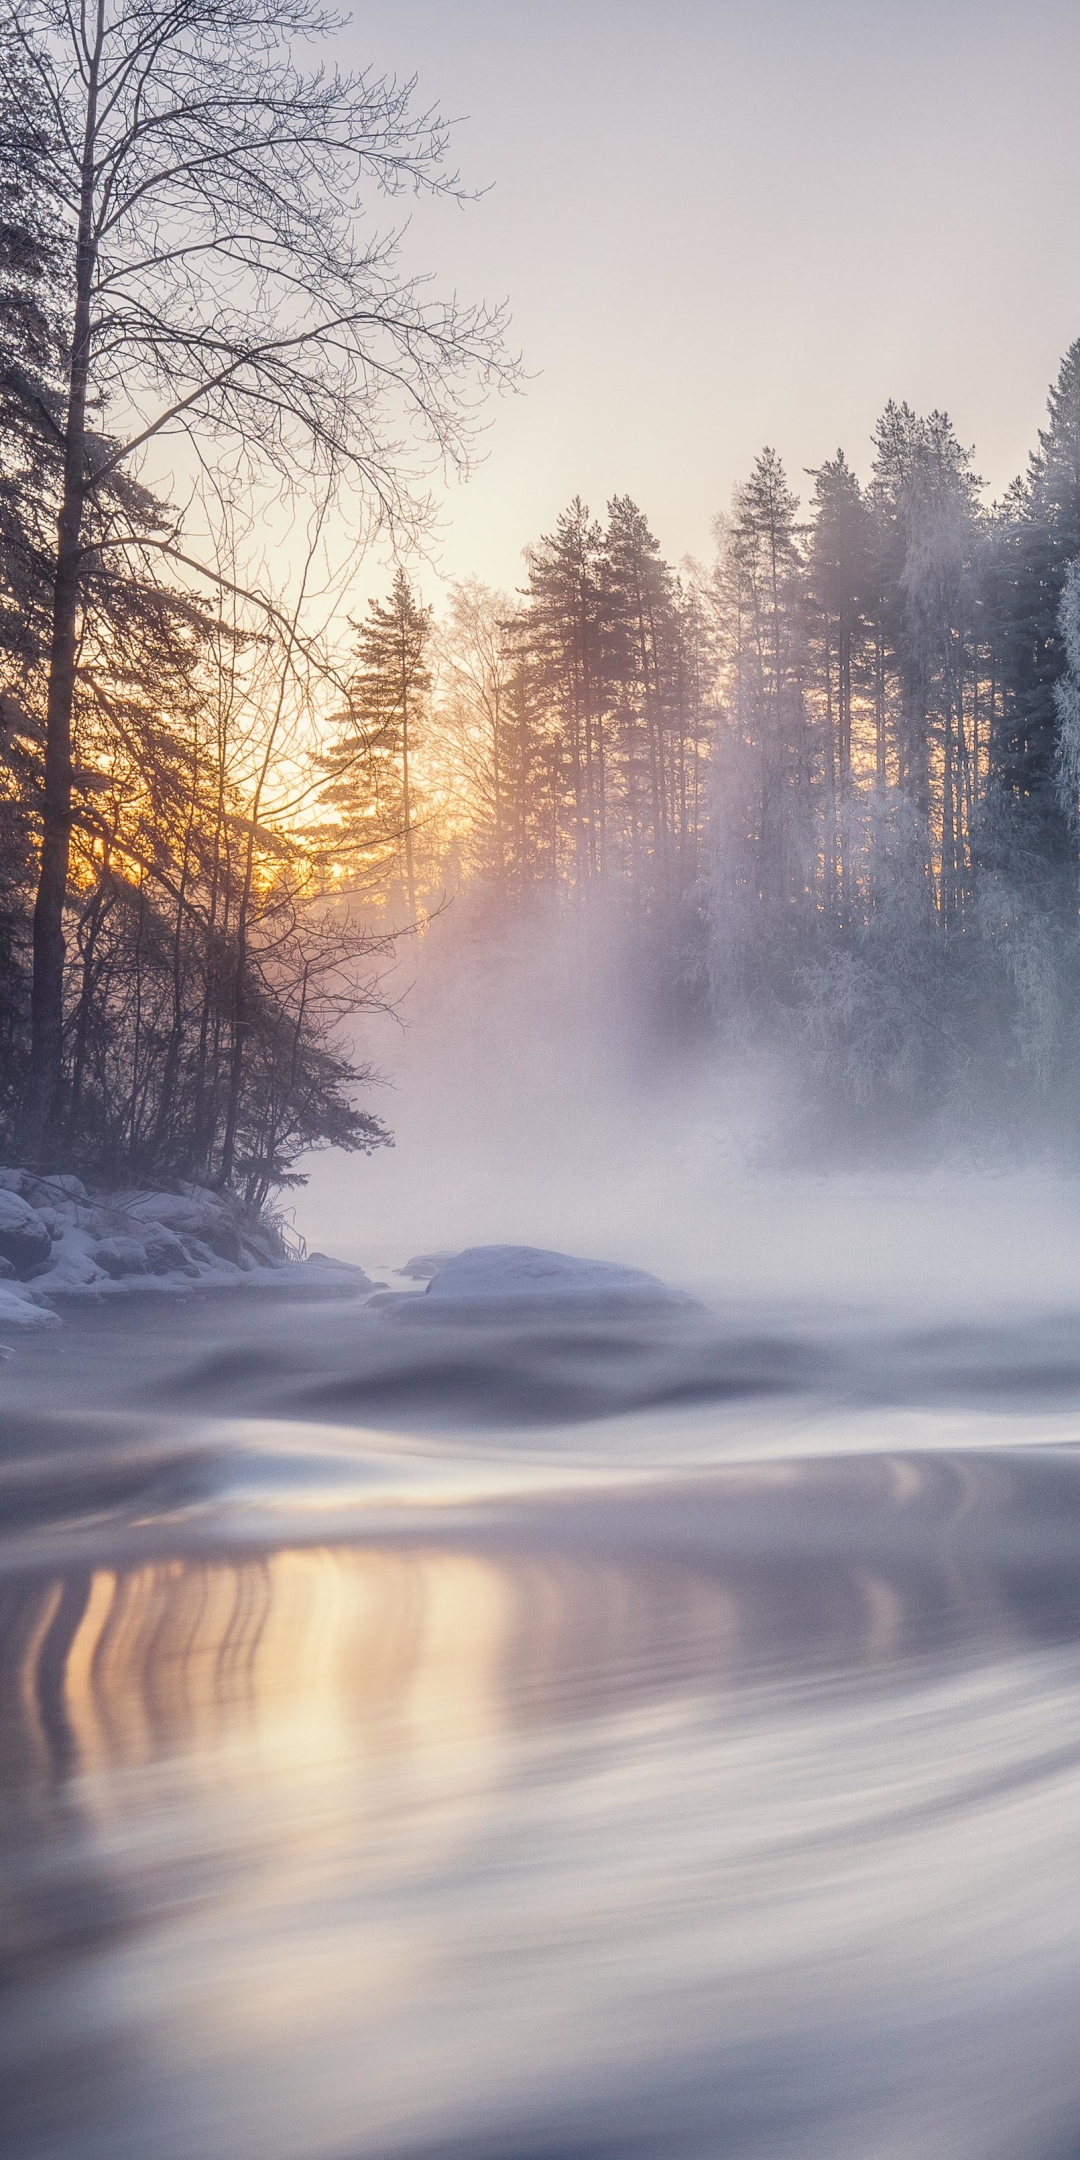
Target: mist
(539,1120)
(537,1098)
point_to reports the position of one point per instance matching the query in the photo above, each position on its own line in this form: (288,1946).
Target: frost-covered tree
(764,798)
(372,762)
(839,594)
(217,284)
(1067,699)
(1037,538)
(563,639)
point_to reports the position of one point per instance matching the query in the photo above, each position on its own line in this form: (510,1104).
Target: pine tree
(562,632)
(372,762)
(839,587)
(766,783)
(1037,538)
(641,618)
(925,496)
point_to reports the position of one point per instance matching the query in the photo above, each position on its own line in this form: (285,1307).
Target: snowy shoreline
(62,1243)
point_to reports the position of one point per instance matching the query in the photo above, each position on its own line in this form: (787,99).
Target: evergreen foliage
(835,784)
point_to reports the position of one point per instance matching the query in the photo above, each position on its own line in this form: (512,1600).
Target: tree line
(203,337)
(832,777)
(895,847)
(554,739)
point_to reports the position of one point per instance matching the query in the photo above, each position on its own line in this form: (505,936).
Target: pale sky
(721,225)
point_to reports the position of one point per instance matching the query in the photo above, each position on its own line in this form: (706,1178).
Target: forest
(829,781)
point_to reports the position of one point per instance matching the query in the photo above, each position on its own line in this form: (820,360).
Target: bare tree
(221,287)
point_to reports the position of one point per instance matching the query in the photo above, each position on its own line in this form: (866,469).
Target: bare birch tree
(221,288)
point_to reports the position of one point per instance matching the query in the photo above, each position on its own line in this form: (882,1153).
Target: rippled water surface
(509,1740)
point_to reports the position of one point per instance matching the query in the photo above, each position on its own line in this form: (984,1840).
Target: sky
(722,225)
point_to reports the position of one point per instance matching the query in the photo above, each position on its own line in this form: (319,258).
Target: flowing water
(537,1739)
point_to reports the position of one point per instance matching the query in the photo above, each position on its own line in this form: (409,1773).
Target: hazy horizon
(742,227)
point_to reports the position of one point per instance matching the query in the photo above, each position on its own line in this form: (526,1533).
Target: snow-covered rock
(523,1275)
(345,1267)
(166,1254)
(59,1241)
(25,1239)
(73,1187)
(120,1256)
(194,1213)
(56,1238)
(18,1309)
(425,1265)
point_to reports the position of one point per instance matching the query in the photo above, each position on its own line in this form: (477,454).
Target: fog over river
(535,1728)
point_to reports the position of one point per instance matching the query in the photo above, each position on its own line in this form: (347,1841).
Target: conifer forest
(539,1080)
(828,780)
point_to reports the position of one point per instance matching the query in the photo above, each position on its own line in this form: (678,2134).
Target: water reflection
(729,1818)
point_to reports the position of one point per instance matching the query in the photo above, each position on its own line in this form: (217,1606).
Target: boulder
(24,1238)
(521,1275)
(165,1255)
(59,1195)
(120,1256)
(193,1213)
(223,1239)
(18,1310)
(71,1187)
(425,1265)
(175,1211)
(343,1267)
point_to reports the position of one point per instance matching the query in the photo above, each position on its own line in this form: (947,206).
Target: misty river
(539,1735)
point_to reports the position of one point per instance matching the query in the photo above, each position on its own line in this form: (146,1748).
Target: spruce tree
(1037,538)
(562,635)
(372,762)
(641,616)
(839,587)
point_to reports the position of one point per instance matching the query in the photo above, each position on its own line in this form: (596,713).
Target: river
(577,1737)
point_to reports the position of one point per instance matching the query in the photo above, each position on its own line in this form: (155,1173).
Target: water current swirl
(580,1742)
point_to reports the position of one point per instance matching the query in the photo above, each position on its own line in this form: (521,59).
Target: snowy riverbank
(58,1240)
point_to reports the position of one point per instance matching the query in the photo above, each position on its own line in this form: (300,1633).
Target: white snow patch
(19,1310)
(56,1239)
(495,1274)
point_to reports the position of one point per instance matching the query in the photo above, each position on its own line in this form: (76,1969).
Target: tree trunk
(406,806)
(47,986)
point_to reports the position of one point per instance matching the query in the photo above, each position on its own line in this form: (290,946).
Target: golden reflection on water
(271,1671)
(363,1836)
(314,1655)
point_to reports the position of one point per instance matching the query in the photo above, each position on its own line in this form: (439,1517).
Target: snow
(19,1310)
(423,1266)
(58,1239)
(498,1274)
(24,1235)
